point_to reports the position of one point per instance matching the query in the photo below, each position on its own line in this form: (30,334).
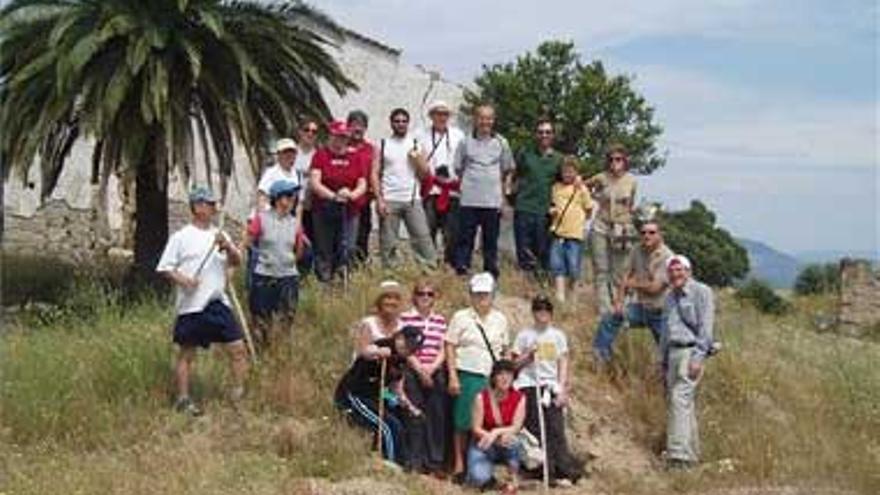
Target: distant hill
(833,256)
(774,267)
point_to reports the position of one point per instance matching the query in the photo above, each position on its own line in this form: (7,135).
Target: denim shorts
(565,257)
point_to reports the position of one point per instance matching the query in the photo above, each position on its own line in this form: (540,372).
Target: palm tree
(148,80)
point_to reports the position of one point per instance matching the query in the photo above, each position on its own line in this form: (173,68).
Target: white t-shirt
(184,252)
(550,346)
(301,165)
(439,148)
(399,181)
(276,173)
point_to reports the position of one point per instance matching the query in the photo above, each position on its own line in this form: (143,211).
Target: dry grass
(85,406)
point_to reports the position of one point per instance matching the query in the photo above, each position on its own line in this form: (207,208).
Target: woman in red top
(499,413)
(337,180)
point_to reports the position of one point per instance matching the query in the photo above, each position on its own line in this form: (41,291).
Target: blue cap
(201,194)
(282,187)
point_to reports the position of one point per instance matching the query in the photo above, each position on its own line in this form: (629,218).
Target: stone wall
(66,224)
(57,230)
(859,297)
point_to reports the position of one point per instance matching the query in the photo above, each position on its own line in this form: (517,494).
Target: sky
(769,108)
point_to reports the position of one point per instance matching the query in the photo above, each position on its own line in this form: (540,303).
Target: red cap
(338,128)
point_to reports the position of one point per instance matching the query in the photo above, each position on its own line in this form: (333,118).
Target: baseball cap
(201,194)
(282,187)
(438,106)
(482,282)
(285,144)
(678,259)
(338,128)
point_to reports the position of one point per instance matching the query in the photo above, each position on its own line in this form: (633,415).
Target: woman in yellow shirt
(570,208)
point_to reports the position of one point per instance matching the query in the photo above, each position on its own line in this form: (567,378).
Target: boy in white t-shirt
(195,260)
(542,353)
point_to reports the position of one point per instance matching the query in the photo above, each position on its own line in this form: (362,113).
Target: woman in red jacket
(499,413)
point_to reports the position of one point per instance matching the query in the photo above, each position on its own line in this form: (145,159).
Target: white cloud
(711,120)
(459,35)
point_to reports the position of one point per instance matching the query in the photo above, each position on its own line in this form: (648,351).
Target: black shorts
(215,323)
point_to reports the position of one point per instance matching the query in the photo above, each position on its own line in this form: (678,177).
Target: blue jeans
(481,463)
(489,222)
(532,239)
(637,315)
(565,257)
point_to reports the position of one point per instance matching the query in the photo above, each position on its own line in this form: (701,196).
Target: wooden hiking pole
(236,304)
(382,370)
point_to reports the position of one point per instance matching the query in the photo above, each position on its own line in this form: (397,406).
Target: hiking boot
(187,406)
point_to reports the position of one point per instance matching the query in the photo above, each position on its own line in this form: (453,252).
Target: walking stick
(543,430)
(248,340)
(233,295)
(382,370)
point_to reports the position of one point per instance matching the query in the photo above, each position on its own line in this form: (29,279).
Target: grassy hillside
(85,406)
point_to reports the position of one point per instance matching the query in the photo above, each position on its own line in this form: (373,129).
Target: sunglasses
(310,130)
(424,293)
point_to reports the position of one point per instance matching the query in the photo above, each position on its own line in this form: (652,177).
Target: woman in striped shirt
(426,383)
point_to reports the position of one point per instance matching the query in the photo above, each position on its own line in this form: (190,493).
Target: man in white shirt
(441,189)
(285,156)
(397,167)
(195,260)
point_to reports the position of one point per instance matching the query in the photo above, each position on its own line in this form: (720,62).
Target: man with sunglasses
(395,178)
(645,276)
(537,167)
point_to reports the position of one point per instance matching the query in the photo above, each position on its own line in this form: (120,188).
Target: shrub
(28,279)
(762,296)
(818,279)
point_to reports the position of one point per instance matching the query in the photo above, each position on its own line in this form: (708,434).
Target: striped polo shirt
(433,327)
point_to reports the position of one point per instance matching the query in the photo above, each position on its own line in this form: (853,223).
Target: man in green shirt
(536,169)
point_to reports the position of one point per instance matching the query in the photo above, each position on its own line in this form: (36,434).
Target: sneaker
(187,406)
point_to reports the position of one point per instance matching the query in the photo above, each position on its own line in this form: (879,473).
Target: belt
(682,345)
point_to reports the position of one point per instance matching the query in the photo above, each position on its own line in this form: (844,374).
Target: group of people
(314,211)
(461,395)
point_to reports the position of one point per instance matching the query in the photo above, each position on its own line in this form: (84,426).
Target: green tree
(591,108)
(763,297)
(718,259)
(149,80)
(818,279)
